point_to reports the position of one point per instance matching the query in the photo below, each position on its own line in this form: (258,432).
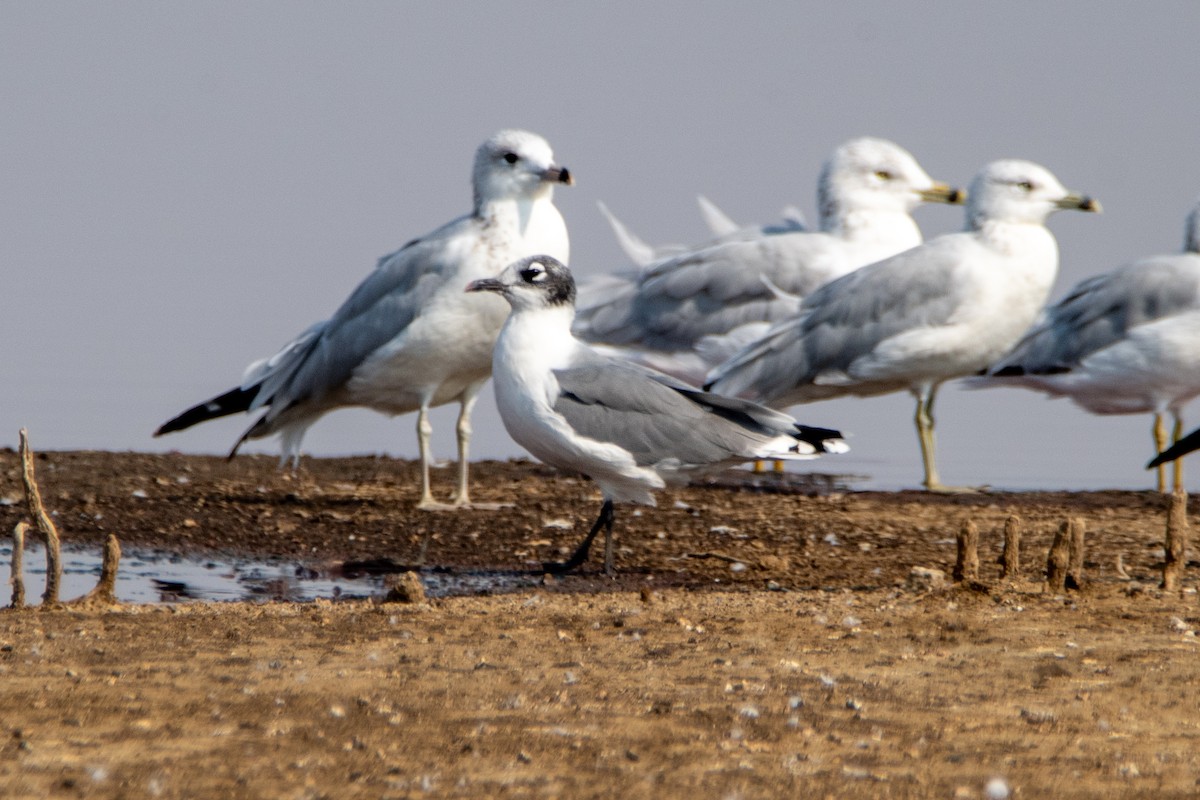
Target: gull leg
(424,431)
(462,499)
(1160,443)
(605,520)
(924,421)
(463,431)
(1176,434)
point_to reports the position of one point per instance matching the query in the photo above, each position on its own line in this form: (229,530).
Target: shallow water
(149,576)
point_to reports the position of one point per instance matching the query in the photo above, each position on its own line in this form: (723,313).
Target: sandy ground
(759,640)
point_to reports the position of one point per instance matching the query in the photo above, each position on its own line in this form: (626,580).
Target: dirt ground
(761,639)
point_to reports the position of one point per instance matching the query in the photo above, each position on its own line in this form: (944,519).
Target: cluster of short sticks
(1064,561)
(104,593)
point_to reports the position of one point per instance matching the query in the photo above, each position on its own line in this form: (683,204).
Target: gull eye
(883,175)
(533,273)
(1025,186)
(512,158)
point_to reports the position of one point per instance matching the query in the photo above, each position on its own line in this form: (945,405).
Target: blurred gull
(685,314)
(943,310)
(630,429)
(1125,342)
(408,338)
(723,229)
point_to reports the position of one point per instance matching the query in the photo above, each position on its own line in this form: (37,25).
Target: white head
(513,165)
(533,282)
(868,174)
(1019,192)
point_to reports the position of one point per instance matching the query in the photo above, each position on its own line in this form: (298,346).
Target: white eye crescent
(534,273)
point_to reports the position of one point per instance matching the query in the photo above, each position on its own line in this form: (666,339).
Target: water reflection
(149,576)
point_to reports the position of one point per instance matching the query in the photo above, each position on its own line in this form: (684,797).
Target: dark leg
(605,520)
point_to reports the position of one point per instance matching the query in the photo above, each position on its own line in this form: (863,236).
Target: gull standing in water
(1125,342)
(943,310)
(408,338)
(688,313)
(630,429)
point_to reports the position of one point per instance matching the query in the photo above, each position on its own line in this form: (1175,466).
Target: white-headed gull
(942,310)
(1124,342)
(688,313)
(408,338)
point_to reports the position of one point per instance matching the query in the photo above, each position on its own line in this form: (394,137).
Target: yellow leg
(1160,444)
(924,422)
(1176,435)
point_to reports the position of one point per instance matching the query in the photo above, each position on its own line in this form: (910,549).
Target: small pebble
(996,789)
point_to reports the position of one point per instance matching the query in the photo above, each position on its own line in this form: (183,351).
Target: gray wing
(846,319)
(323,358)
(655,417)
(711,291)
(1102,310)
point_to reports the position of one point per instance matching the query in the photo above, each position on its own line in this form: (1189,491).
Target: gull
(408,338)
(635,248)
(630,429)
(688,313)
(721,225)
(1124,342)
(618,286)
(943,310)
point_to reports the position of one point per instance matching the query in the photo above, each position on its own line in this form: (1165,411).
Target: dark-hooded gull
(943,310)
(631,429)
(408,338)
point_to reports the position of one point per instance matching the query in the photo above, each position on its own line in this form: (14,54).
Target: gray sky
(186,186)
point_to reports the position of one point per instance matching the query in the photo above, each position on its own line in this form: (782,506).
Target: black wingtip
(232,402)
(820,437)
(1186,445)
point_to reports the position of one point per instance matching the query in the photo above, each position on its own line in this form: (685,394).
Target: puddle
(149,576)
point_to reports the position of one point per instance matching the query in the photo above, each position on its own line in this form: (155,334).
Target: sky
(186,186)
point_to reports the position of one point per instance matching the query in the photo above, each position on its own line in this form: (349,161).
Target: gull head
(515,165)
(870,174)
(533,282)
(1018,191)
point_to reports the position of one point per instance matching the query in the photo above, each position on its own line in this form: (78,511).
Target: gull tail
(635,249)
(232,402)
(720,223)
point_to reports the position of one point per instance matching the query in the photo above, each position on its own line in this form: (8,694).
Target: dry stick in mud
(43,523)
(966,565)
(18,565)
(1058,559)
(1010,565)
(105,591)
(1076,550)
(1176,543)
